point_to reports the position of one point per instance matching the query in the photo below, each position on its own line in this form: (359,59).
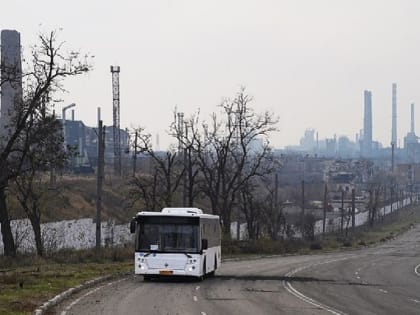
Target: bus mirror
(204,244)
(133,226)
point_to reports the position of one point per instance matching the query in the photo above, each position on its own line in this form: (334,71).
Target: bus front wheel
(211,274)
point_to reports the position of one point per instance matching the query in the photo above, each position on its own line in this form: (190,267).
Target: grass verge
(28,281)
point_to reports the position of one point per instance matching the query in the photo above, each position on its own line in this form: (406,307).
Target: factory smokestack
(412,118)
(11,76)
(367,124)
(394,114)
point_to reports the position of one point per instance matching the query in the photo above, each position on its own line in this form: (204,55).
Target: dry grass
(28,281)
(386,229)
(75,198)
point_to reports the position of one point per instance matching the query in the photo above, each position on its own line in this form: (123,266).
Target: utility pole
(324,218)
(276,191)
(392,195)
(303,210)
(100,176)
(342,211)
(135,155)
(392,156)
(276,211)
(186,170)
(353,209)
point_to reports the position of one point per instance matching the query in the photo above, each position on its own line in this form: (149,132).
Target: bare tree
(167,171)
(31,185)
(231,150)
(375,186)
(271,208)
(48,66)
(187,134)
(146,188)
(252,208)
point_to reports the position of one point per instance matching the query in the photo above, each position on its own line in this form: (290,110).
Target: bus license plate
(165,272)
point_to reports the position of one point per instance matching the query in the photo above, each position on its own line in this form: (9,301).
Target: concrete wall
(74,234)
(331,225)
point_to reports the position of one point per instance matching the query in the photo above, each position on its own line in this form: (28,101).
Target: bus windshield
(166,237)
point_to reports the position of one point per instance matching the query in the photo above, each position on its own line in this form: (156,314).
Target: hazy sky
(306,61)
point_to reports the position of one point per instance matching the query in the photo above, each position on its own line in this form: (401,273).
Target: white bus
(176,242)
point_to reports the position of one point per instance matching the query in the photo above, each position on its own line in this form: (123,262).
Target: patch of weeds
(315,246)
(347,243)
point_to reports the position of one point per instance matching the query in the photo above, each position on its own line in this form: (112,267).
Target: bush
(315,246)
(347,243)
(362,243)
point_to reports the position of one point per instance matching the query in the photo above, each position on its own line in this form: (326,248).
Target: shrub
(362,243)
(347,243)
(315,246)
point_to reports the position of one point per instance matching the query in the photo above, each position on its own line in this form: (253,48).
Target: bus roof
(179,212)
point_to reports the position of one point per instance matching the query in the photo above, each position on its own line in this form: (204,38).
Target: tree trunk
(6,231)
(36,226)
(226,224)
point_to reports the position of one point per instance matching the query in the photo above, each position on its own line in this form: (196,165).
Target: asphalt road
(380,280)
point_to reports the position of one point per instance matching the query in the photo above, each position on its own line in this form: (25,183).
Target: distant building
(411,143)
(307,143)
(331,147)
(346,148)
(84,141)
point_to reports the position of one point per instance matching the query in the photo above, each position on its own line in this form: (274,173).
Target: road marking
(203,313)
(383,291)
(195,298)
(197,287)
(289,288)
(414,300)
(87,294)
(417,270)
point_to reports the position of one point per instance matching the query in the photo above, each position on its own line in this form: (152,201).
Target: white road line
(417,270)
(414,300)
(383,291)
(307,299)
(203,313)
(87,294)
(197,287)
(195,298)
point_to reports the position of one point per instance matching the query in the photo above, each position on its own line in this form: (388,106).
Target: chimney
(394,114)
(99,115)
(367,125)
(412,119)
